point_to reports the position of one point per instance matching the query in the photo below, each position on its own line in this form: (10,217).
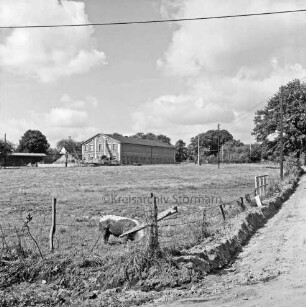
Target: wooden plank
(160,216)
(258,201)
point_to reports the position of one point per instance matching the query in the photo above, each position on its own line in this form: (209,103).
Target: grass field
(83,193)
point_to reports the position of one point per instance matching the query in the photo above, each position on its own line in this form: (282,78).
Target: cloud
(89,101)
(47,54)
(70,119)
(224,46)
(64,117)
(228,66)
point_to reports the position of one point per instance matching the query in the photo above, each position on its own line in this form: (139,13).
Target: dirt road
(270,271)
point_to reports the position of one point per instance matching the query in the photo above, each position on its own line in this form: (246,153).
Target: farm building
(24,158)
(126,150)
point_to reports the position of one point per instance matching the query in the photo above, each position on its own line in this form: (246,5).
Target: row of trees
(33,141)
(266,131)
(212,142)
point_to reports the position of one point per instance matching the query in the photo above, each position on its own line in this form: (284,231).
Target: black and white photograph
(153,153)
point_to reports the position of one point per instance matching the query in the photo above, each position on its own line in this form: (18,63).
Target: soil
(270,270)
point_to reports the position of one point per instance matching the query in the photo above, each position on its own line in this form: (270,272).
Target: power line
(151,21)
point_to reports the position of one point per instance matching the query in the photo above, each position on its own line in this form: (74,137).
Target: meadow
(83,194)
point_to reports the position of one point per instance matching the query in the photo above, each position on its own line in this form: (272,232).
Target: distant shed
(24,158)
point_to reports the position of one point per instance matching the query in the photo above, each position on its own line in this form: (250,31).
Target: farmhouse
(126,150)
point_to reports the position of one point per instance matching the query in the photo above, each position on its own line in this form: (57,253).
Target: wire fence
(83,234)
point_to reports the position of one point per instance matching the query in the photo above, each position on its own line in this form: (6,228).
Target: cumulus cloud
(229,66)
(70,119)
(69,102)
(47,54)
(64,117)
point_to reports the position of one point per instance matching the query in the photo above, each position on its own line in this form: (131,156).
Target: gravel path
(270,271)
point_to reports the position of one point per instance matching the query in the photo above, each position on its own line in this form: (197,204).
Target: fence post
(153,239)
(222,211)
(53,224)
(204,224)
(242,204)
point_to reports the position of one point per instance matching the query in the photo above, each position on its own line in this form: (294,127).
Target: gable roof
(27,154)
(137,141)
(130,140)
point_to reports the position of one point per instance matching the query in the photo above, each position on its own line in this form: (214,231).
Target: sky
(178,78)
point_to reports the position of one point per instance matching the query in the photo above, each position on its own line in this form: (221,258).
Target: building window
(91,147)
(114,147)
(101,147)
(86,147)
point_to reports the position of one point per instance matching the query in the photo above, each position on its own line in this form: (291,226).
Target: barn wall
(22,160)
(132,153)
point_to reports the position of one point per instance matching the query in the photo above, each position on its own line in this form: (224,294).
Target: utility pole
(250,151)
(5,150)
(218,145)
(281,136)
(222,154)
(199,149)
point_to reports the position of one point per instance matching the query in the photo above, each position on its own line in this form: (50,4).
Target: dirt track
(270,271)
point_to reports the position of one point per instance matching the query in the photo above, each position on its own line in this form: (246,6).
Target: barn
(126,150)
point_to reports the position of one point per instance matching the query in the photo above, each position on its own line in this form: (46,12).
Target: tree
(139,135)
(33,141)
(74,148)
(164,139)
(181,151)
(267,121)
(209,142)
(152,136)
(5,149)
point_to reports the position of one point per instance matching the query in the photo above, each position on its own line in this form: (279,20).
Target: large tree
(267,121)
(5,149)
(181,151)
(33,141)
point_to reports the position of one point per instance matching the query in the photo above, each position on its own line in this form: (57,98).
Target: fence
(181,226)
(261,183)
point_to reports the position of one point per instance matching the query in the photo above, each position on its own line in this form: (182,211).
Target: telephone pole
(218,145)
(199,149)
(5,153)
(281,136)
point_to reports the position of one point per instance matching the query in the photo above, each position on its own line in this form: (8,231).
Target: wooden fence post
(222,211)
(153,240)
(204,225)
(53,224)
(241,203)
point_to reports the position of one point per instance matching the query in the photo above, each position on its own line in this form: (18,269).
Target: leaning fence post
(222,211)
(241,203)
(53,224)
